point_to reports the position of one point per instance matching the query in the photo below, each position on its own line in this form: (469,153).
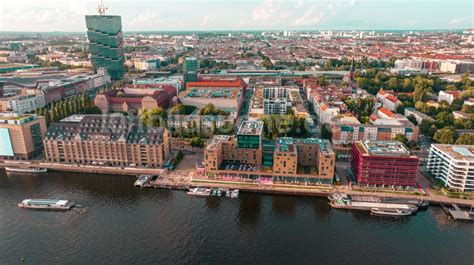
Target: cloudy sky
(161,15)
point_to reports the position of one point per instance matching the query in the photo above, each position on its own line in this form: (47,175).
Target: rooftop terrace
(250,128)
(383,148)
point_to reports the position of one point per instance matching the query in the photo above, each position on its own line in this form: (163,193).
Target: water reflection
(249,208)
(284,205)
(321,208)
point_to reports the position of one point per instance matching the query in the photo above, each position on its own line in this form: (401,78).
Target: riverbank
(187,179)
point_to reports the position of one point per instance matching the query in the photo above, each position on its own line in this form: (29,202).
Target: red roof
(237,83)
(392,98)
(386,112)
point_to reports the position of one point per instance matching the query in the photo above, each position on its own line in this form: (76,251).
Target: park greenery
(418,92)
(289,125)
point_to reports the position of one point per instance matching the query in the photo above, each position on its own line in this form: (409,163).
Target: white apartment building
(28,101)
(454,165)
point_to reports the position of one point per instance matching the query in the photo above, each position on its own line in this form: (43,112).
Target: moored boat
(234,194)
(199,192)
(46,204)
(390,212)
(343,201)
(26,169)
(142,180)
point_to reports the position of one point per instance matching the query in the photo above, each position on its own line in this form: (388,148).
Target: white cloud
(207,20)
(146,19)
(459,20)
(312,16)
(269,13)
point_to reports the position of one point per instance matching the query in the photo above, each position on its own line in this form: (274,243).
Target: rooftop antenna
(101,8)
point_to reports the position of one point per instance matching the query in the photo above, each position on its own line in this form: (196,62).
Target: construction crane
(101,8)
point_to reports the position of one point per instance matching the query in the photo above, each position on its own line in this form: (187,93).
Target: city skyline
(214,15)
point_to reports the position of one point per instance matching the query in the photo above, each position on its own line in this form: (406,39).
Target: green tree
(445,136)
(401,138)
(466,139)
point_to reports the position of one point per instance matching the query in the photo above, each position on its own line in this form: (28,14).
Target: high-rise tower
(190,69)
(106,43)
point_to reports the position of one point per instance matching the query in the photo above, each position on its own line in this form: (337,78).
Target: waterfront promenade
(183,179)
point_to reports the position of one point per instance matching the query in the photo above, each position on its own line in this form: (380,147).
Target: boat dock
(457,213)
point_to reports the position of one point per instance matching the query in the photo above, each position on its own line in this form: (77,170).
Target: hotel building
(453,164)
(383,164)
(114,140)
(21,135)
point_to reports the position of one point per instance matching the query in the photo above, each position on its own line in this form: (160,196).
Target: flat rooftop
(5,117)
(250,128)
(383,148)
(458,152)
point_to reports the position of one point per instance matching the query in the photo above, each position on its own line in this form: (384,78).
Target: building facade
(113,140)
(21,136)
(383,164)
(190,70)
(284,160)
(106,44)
(453,165)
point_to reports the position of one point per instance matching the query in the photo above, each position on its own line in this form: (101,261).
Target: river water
(120,224)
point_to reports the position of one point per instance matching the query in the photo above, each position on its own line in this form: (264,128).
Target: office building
(383,164)
(106,44)
(21,135)
(114,140)
(453,165)
(284,160)
(190,70)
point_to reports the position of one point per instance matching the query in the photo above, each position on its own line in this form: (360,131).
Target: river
(120,224)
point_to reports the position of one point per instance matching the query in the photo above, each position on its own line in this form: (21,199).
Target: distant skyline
(178,15)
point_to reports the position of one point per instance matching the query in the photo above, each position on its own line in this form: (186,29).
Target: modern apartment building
(114,140)
(21,135)
(27,101)
(284,160)
(106,44)
(345,130)
(453,164)
(383,164)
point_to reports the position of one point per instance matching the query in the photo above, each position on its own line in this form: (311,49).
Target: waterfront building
(453,165)
(190,70)
(106,44)
(114,140)
(21,135)
(383,164)
(284,160)
(135,98)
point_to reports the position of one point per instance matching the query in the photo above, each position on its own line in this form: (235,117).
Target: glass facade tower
(106,44)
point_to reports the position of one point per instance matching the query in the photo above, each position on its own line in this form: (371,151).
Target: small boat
(390,212)
(228,193)
(199,192)
(142,180)
(26,169)
(219,193)
(234,194)
(46,204)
